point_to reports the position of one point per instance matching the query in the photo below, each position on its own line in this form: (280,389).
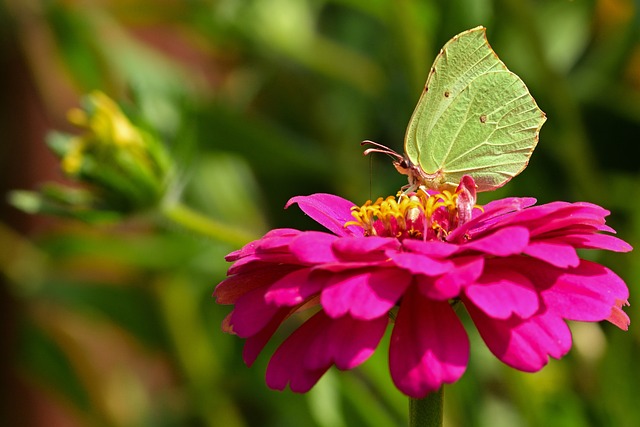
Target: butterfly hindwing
(475,117)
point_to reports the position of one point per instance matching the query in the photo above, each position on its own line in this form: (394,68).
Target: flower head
(513,266)
(124,167)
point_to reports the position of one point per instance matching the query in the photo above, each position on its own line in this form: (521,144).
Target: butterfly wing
(475,117)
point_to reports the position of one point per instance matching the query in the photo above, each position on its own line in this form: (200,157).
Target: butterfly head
(417,177)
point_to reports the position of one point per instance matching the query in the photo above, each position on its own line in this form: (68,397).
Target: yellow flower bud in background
(125,167)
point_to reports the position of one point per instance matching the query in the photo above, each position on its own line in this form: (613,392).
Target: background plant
(112,324)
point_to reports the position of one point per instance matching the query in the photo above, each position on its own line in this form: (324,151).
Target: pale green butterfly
(475,117)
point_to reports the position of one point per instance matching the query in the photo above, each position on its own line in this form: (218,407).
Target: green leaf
(41,356)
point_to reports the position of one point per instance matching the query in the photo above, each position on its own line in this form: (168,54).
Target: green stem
(427,412)
(198,223)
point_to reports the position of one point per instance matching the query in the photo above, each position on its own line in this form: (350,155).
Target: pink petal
(435,248)
(556,253)
(281,232)
(254,344)
(337,267)
(499,294)
(276,240)
(428,347)
(499,207)
(313,247)
(567,216)
(597,210)
(287,363)
(295,287)
(345,342)
(586,293)
(364,249)
(619,317)
(250,248)
(329,210)
(523,344)
(307,354)
(503,242)
(420,264)
(232,288)
(251,313)
(364,295)
(552,218)
(259,262)
(494,212)
(446,286)
(605,228)
(596,241)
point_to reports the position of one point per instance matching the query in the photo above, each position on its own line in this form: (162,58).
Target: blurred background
(111,322)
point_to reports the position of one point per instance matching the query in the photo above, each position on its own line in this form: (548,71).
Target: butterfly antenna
(383,149)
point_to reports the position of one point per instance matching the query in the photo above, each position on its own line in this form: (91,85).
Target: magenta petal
(496,208)
(435,248)
(360,249)
(246,250)
(287,365)
(313,247)
(337,267)
(345,342)
(295,287)
(596,241)
(273,235)
(555,253)
(311,349)
(494,212)
(503,293)
(466,270)
(364,295)
(420,264)
(232,288)
(254,344)
(586,293)
(428,347)
(251,313)
(276,240)
(329,210)
(504,242)
(560,215)
(254,263)
(523,344)
(619,317)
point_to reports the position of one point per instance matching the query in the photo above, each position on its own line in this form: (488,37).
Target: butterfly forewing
(475,117)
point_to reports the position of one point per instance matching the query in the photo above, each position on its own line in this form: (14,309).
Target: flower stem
(427,412)
(201,224)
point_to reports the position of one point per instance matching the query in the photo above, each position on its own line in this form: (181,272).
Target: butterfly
(474,117)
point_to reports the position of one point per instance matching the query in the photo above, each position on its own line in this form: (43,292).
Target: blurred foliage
(258,101)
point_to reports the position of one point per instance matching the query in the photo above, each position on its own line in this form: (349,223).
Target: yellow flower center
(419,215)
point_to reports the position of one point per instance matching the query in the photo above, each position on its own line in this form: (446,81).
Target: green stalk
(198,223)
(427,412)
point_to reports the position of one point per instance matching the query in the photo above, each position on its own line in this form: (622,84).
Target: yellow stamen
(398,215)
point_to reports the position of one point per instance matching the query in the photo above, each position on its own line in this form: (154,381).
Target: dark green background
(260,101)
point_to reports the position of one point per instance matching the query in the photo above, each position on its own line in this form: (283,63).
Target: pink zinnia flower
(413,258)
